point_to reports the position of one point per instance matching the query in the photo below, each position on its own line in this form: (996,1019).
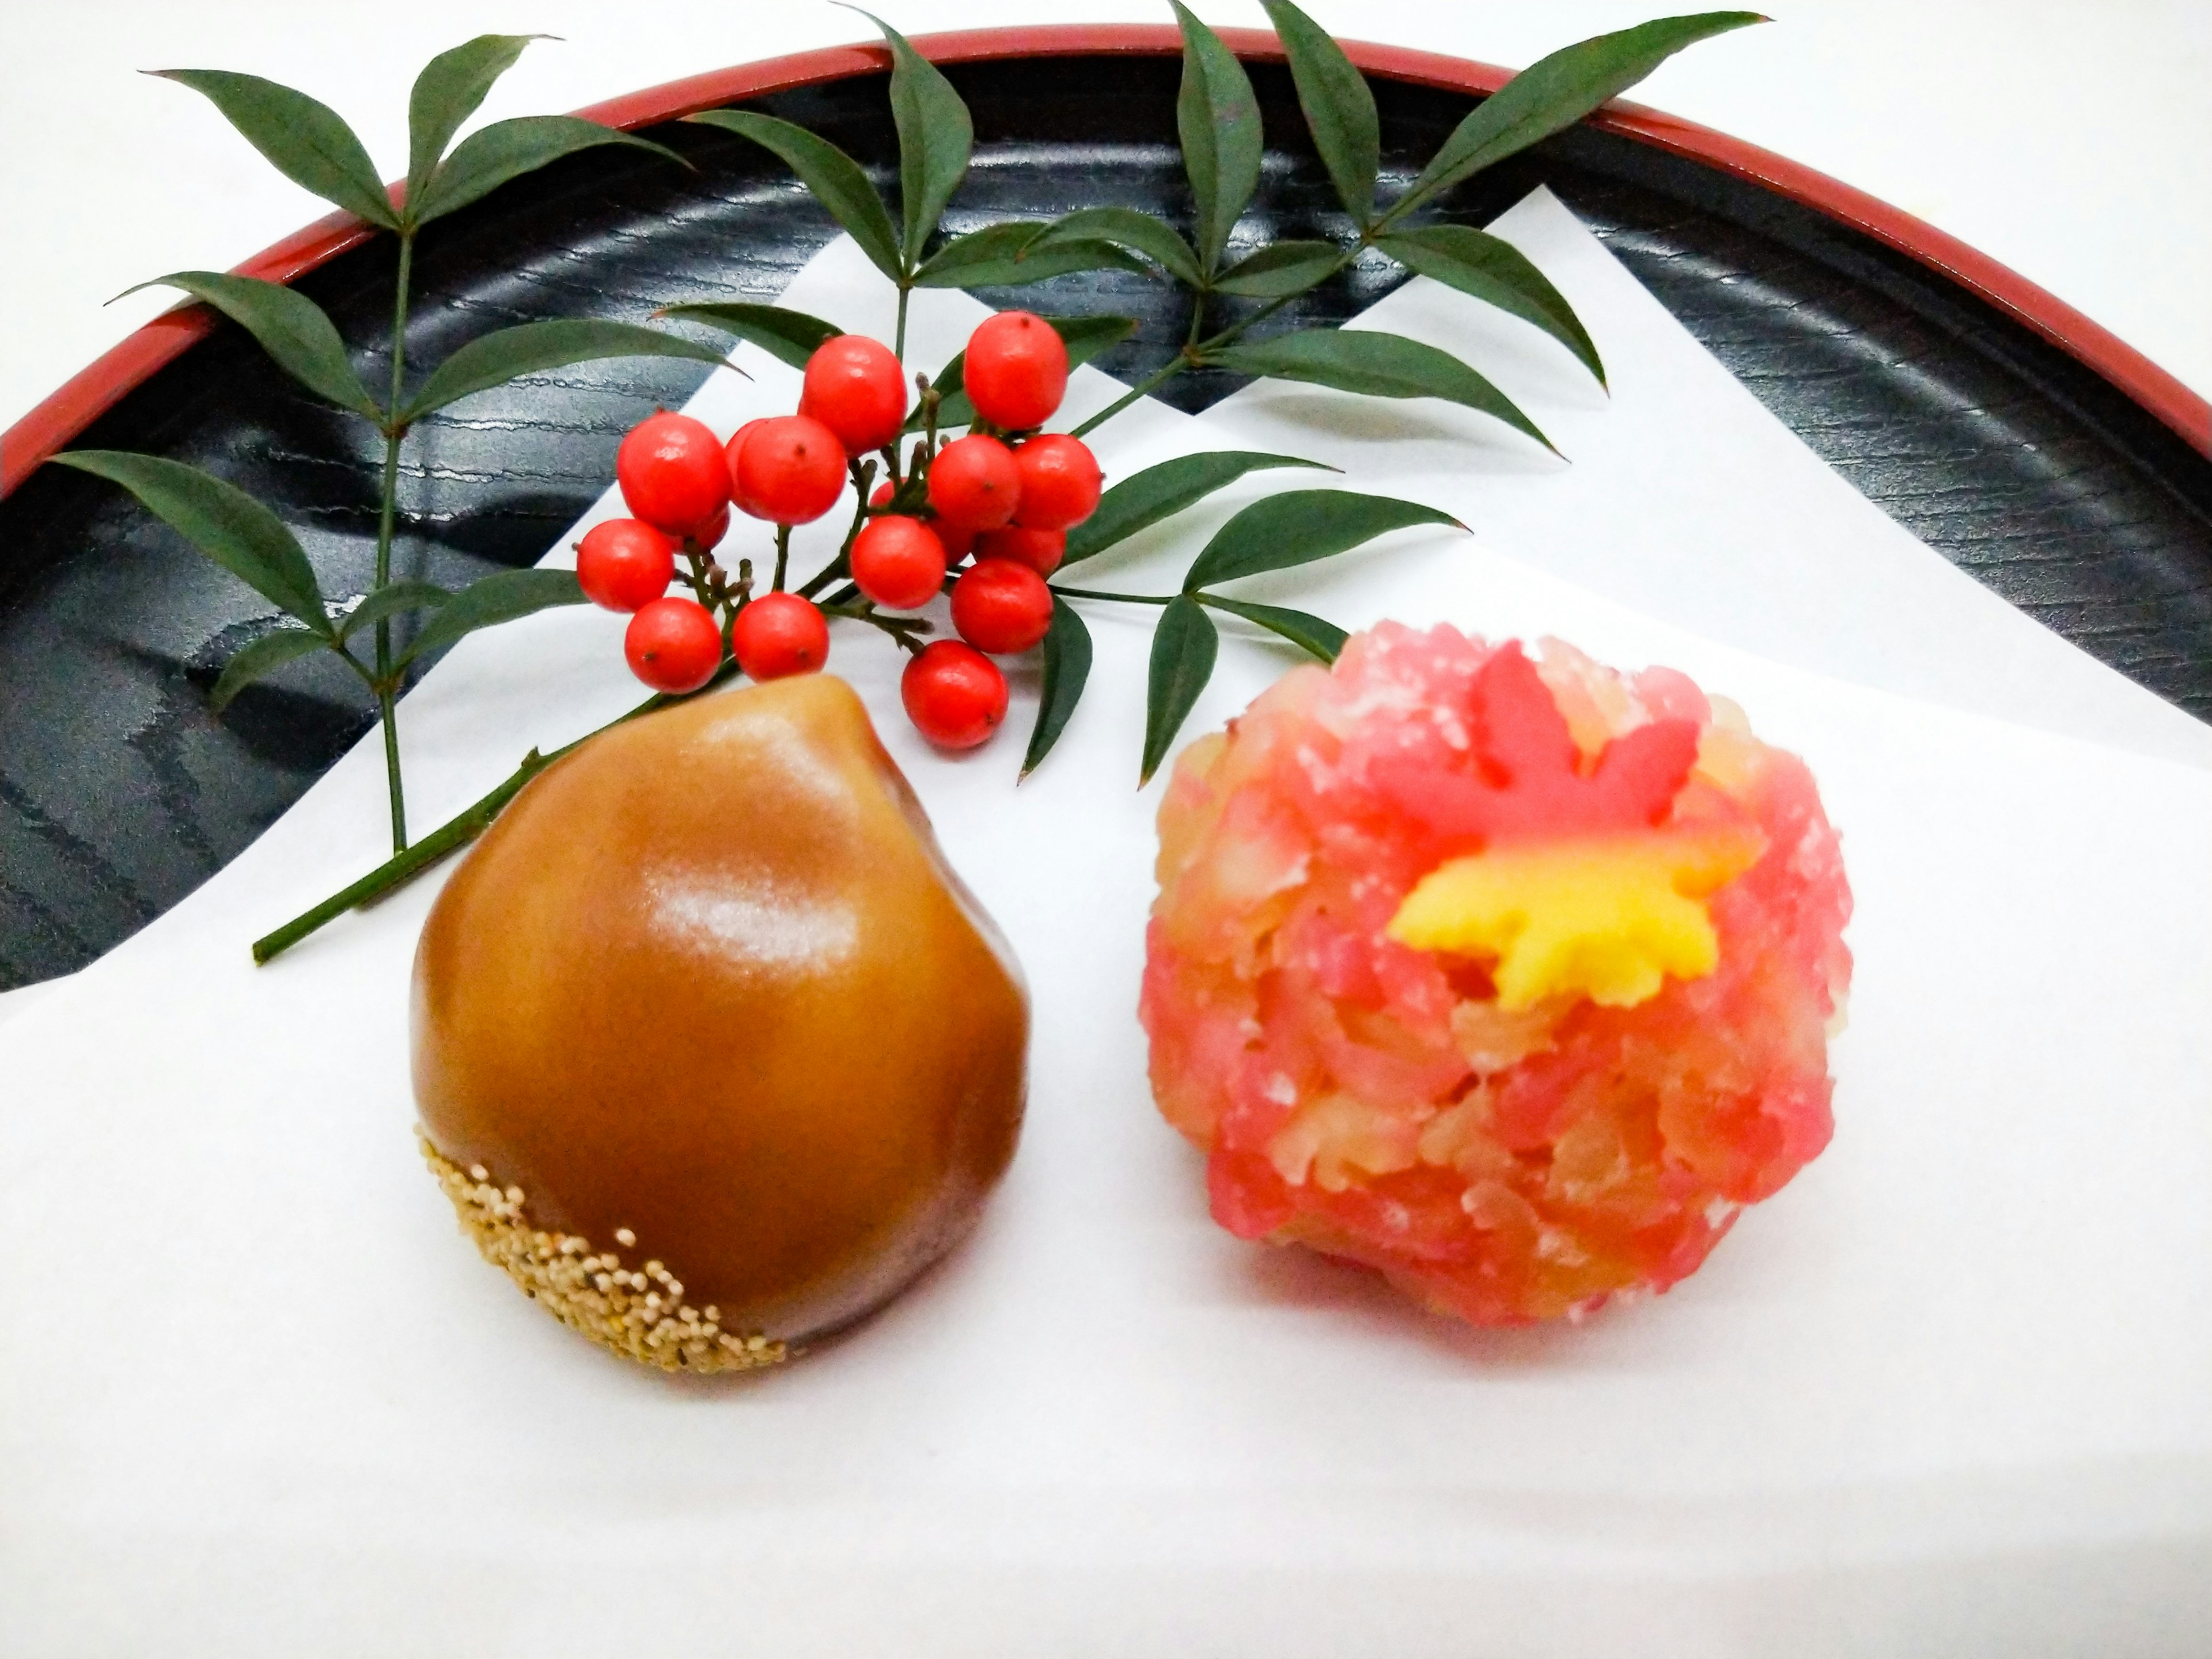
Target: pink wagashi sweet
(1512,978)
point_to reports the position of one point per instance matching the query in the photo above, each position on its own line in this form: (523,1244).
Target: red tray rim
(91,393)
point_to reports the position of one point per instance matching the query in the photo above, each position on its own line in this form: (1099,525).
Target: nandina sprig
(311,145)
(1218,124)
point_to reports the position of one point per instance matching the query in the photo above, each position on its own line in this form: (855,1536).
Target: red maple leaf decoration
(1521,773)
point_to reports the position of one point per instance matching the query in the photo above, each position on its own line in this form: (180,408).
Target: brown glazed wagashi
(714,1052)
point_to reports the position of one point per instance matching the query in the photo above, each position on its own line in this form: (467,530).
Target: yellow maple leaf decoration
(1606,917)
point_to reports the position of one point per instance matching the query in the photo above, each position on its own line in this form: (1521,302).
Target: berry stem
(782,554)
(822,577)
(864,475)
(901,629)
(694,576)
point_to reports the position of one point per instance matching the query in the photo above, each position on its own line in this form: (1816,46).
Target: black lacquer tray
(2035,460)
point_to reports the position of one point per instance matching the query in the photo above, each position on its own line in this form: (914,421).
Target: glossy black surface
(119,794)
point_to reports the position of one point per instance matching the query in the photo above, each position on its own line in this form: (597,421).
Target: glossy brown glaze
(710,982)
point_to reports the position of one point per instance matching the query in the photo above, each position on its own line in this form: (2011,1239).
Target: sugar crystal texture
(1510,977)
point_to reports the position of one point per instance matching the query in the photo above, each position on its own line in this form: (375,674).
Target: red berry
(1060,481)
(624,563)
(792,470)
(1015,371)
(780,634)
(955,696)
(708,537)
(855,387)
(1001,607)
(671,472)
(957,540)
(744,503)
(673,645)
(898,563)
(1041,550)
(974,483)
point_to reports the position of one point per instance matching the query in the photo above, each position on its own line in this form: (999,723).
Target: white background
(2068,140)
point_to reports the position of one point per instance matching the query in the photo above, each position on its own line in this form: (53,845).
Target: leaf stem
(1118,598)
(1195,351)
(404,866)
(1229,335)
(387,702)
(451,835)
(1145,387)
(898,345)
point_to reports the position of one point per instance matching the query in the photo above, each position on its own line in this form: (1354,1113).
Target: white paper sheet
(1950,1393)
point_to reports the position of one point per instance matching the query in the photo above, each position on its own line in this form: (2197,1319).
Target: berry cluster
(989,511)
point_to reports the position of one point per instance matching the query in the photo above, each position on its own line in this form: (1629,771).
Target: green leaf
(391,600)
(1339,110)
(1377,364)
(1126,228)
(500,597)
(789,337)
(1556,92)
(934,133)
(494,359)
(222,520)
(1183,648)
(1494,270)
(491,156)
(1310,633)
(995,257)
(303,139)
(263,656)
(834,177)
(993,245)
(1144,498)
(1066,668)
(1298,526)
(447,93)
(1218,119)
(1041,264)
(1280,269)
(290,327)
